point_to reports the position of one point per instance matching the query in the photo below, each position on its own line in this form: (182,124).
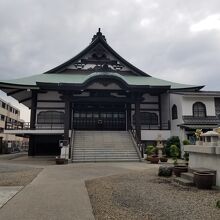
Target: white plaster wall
(51,95)
(153,134)
(51,104)
(187,105)
(177,100)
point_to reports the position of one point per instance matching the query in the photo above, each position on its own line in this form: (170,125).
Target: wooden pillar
(128,106)
(33,109)
(160,112)
(138,121)
(31,149)
(67,119)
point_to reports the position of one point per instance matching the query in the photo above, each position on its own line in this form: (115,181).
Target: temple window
(50,117)
(148,118)
(174,112)
(199,109)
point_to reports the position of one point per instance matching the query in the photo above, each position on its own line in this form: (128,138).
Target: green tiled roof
(70,78)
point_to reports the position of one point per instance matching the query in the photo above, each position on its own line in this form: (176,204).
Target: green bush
(150,150)
(174,140)
(165,171)
(174,153)
(186,142)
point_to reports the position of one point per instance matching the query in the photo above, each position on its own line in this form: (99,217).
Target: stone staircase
(103,146)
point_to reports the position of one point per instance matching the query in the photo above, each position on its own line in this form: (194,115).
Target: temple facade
(98,90)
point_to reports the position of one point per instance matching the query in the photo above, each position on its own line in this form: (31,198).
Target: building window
(174,112)
(199,109)
(2,117)
(148,118)
(50,117)
(3,105)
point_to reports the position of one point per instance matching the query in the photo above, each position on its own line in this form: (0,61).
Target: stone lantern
(159,145)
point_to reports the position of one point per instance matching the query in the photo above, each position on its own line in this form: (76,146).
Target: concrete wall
(153,134)
(205,157)
(176,100)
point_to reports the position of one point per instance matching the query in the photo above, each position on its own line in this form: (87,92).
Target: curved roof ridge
(98,38)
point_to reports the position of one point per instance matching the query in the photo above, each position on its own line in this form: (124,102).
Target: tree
(174,140)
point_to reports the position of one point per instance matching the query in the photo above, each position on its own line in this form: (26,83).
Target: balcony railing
(163,126)
(26,126)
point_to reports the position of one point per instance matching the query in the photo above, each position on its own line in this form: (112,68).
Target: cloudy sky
(176,40)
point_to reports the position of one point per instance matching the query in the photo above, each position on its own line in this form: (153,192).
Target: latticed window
(148,118)
(174,112)
(199,109)
(50,117)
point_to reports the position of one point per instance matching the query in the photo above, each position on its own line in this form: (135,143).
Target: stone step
(187,176)
(105,157)
(200,169)
(183,181)
(104,152)
(100,146)
(105,160)
(104,149)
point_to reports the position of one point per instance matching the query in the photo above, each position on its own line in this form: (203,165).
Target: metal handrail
(72,143)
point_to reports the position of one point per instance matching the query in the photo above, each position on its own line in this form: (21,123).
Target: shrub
(186,142)
(165,171)
(174,153)
(150,150)
(174,140)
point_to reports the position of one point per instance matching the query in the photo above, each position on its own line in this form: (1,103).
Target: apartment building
(10,116)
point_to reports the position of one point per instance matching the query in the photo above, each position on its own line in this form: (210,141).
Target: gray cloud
(156,36)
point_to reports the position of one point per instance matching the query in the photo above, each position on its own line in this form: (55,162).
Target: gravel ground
(144,195)
(16,175)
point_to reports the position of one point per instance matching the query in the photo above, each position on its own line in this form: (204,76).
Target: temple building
(97,90)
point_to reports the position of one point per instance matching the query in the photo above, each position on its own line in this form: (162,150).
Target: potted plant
(154,159)
(203,180)
(163,158)
(150,150)
(178,169)
(60,160)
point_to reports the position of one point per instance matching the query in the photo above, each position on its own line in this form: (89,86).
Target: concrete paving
(59,192)
(7,192)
